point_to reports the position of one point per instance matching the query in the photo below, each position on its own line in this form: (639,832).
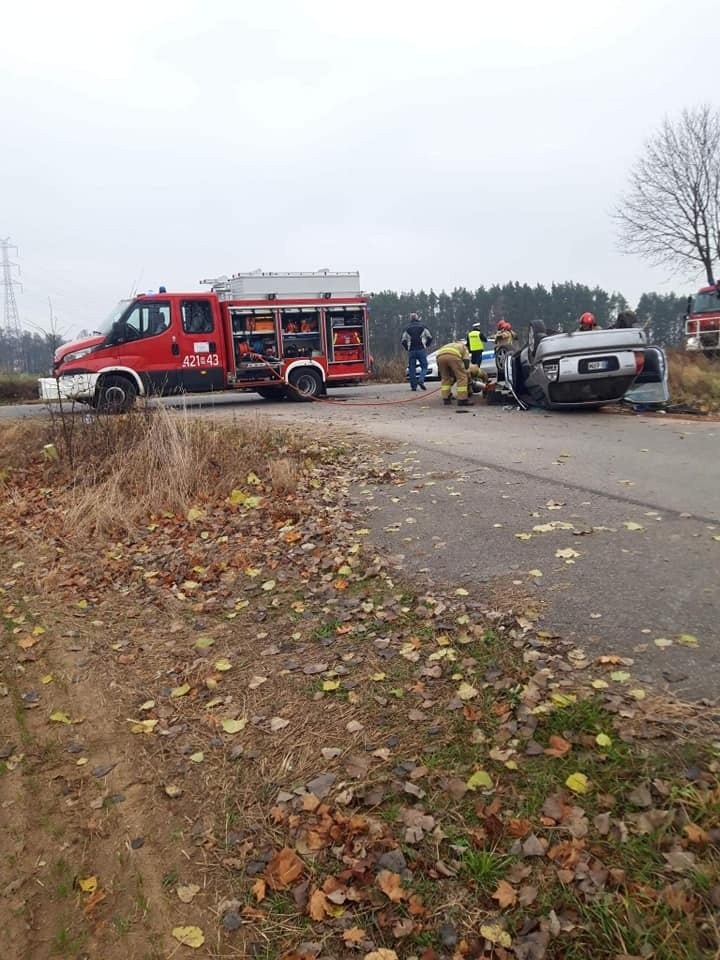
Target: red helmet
(503,325)
(587,320)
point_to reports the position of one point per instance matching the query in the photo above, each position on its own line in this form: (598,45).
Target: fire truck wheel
(305,384)
(271,393)
(115,394)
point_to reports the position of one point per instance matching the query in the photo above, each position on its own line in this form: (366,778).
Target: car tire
(305,384)
(115,394)
(536,332)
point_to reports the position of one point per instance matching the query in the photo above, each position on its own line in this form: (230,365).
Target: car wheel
(305,384)
(115,394)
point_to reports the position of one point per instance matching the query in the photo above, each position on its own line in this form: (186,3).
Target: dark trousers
(415,357)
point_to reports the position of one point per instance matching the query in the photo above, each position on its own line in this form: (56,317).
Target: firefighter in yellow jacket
(453,362)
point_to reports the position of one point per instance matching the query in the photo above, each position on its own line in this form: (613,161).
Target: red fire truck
(278,334)
(702,321)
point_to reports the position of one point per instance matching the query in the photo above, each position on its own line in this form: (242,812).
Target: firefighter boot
(447,401)
(466,402)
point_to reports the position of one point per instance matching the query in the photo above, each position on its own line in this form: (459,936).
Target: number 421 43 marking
(201,360)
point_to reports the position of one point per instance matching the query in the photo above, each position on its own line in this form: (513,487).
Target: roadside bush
(117,471)
(694,380)
(391,371)
(16,387)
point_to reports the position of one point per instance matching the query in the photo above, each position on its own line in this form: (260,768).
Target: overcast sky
(441,144)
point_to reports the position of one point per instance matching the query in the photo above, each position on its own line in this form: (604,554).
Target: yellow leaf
(268,585)
(88,885)
(234,726)
(195,513)
(83,604)
(619,676)
(180,691)
(461,592)
(202,643)
(535,573)
(603,740)
(223,665)
(630,525)
(578,783)
(329,685)
(638,693)
(481,778)
(253,571)
(495,934)
(563,699)
(48,678)
(57,716)
(466,691)
(142,726)
(566,554)
(189,936)
(662,642)
(38,631)
(81,762)
(253,479)
(687,639)
(197,757)
(379,677)
(599,684)
(523,536)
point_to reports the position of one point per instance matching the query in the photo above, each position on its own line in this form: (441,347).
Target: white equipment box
(323,284)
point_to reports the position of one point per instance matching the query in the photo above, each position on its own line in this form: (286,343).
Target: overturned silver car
(583,369)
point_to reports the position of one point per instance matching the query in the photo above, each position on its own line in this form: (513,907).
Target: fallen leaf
(259,889)
(558,747)
(353,935)
(256,682)
(566,554)
(603,740)
(535,573)
(466,691)
(223,665)
(318,906)
(234,726)
(687,639)
(189,936)
(495,934)
(48,678)
(197,757)
(578,783)
(631,525)
(523,536)
(283,869)
(619,676)
(57,716)
(180,691)
(391,885)
(173,791)
(662,642)
(481,778)
(505,895)
(278,723)
(187,891)
(382,954)
(88,885)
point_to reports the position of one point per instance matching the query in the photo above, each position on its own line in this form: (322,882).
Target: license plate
(597,365)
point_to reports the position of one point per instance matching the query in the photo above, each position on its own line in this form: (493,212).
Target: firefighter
(588,322)
(475,344)
(505,336)
(453,361)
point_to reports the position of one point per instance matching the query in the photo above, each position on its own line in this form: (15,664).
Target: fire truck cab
(702,321)
(278,334)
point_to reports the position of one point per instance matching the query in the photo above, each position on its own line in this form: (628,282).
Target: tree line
(450,315)
(29,353)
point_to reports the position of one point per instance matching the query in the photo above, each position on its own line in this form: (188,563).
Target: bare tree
(670,213)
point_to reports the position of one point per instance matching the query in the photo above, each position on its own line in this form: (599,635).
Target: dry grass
(694,380)
(391,371)
(120,471)
(16,387)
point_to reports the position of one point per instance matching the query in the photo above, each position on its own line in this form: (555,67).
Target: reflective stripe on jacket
(475,341)
(457,349)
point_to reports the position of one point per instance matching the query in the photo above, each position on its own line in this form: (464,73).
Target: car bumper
(80,386)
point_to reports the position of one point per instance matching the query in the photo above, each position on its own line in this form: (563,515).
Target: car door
(199,345)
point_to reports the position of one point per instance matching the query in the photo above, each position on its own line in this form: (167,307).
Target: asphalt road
(478,478)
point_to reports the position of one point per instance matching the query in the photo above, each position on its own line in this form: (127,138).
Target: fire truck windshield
(706,303)
(117,311)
